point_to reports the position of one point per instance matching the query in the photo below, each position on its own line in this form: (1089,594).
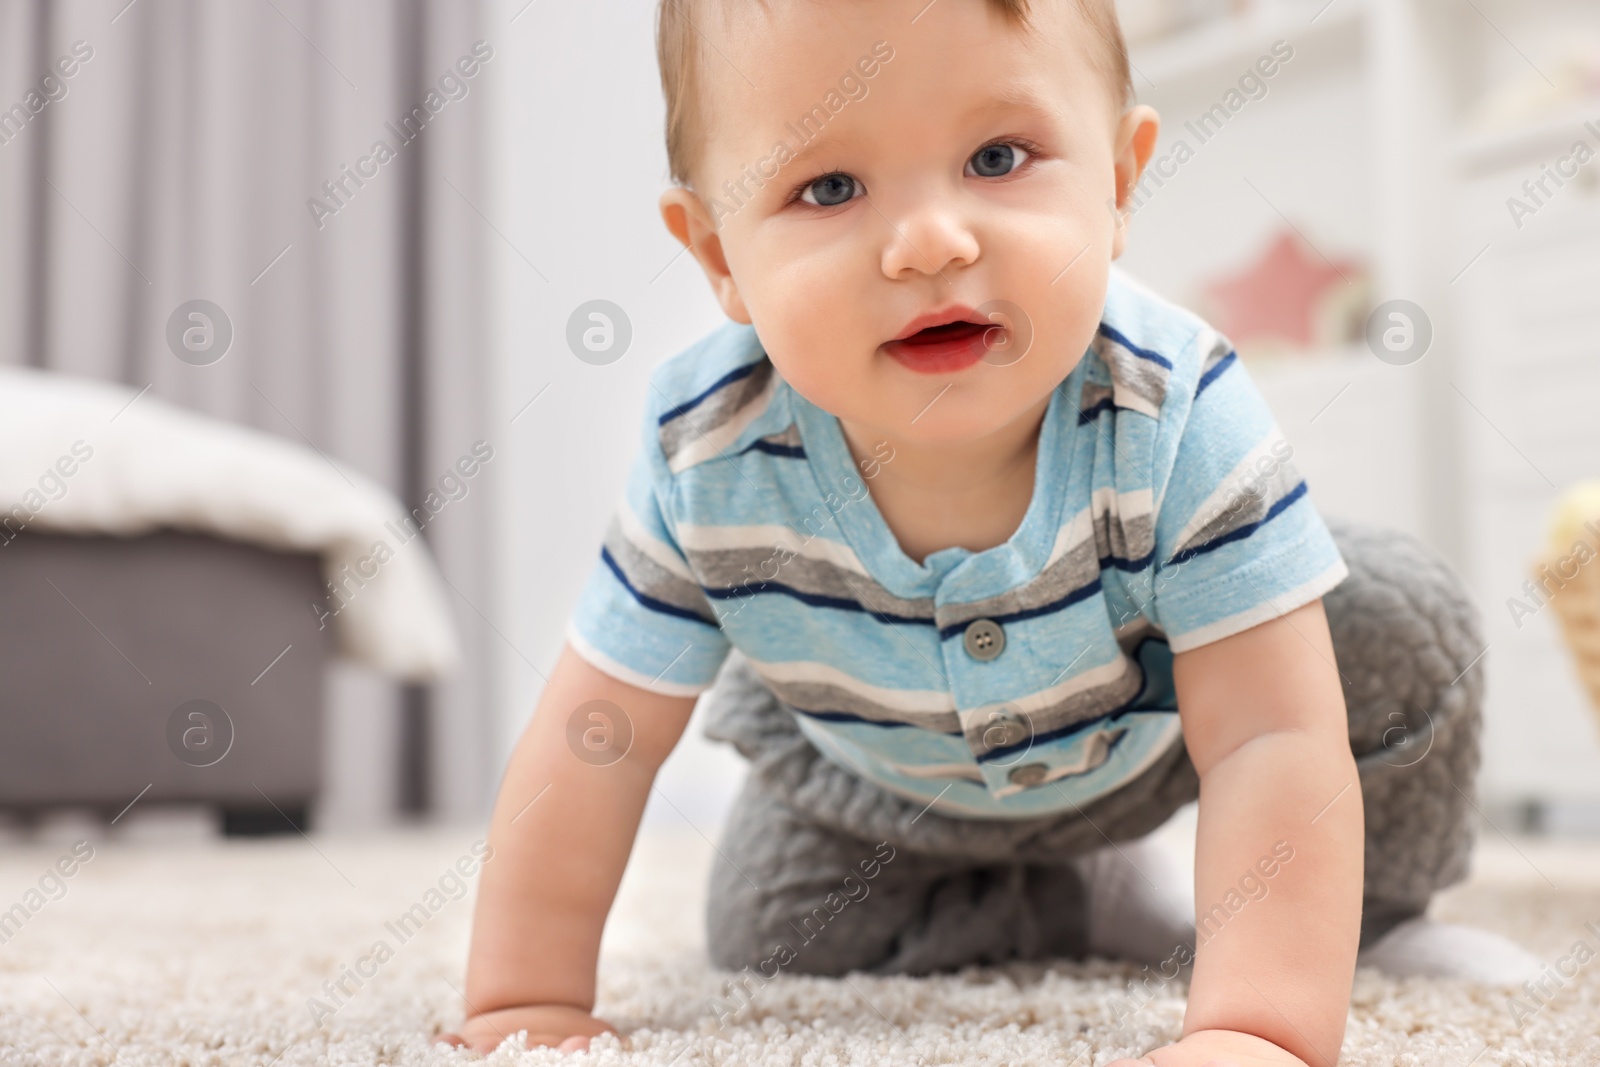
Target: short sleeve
(1238,541)
(641,616)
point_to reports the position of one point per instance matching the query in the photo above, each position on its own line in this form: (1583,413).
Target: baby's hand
(561,1025)
(1218,1048)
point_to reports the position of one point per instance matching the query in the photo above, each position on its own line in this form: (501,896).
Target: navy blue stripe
(1086,415)
(846,604)
(761,444)
(1059,734)
(651,602)
(1132,566)
(689,405)
(1244,531)
(1067,731)
(1081,593)
(1216,372)
(1142,353)
(845,716)
(813,599)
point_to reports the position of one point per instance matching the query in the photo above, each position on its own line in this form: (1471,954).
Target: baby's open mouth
(946,348)
(950,331)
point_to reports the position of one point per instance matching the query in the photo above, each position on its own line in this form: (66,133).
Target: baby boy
(1005,555)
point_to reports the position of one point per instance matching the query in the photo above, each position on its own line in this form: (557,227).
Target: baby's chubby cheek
(824,341)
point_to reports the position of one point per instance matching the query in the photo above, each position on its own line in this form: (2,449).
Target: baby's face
(978,167)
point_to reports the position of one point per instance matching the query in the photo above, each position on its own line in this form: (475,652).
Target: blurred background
(304,468)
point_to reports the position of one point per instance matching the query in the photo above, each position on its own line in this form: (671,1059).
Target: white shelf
(1487,150)
(1225,47)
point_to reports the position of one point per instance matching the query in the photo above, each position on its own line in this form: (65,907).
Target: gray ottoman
(177,666)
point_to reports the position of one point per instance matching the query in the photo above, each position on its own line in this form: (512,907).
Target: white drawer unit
(1529,379)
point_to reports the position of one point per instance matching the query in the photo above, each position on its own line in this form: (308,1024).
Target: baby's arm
(1264,720)
(561,832)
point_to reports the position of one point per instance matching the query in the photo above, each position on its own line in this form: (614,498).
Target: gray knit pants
(806,834)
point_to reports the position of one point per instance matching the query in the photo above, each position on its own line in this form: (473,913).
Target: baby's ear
(1135,144)
(686,217)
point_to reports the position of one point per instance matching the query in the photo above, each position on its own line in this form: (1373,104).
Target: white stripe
(766,537)
(907,701)
(1205,341)
(1121,508)
(649,545)
(1125,506)
(1124,397)
(1282,604)
(967,771)
(606,665)
(1092,678)
(703,446)
(1074,532)
(1227,492)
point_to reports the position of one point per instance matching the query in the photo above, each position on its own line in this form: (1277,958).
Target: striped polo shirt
(1013,682)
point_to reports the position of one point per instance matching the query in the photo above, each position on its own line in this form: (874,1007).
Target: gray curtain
(158,152)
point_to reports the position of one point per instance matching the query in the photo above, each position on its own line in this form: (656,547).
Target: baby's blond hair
(678,53)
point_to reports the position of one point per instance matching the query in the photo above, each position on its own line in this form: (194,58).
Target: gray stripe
(1077,568)
(1132,374)
(653,580)
(738,567)
(1129,636)
(990,732)
(1250,505)
(714,411)
(1219,352)
(1093,393)
(789,437)
(1133,538)
(827,697)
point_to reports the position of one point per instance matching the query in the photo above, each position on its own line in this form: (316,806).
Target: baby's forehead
(780,60)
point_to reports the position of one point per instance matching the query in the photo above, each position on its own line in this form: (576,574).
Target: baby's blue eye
(996,160)
(830,190)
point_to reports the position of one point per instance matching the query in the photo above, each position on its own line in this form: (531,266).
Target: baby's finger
(453,1040)
(575,1043)
(536,1041)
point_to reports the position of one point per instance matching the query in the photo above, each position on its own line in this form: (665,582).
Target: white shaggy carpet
(202,954)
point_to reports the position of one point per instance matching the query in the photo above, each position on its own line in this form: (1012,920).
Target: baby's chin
(940,410)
